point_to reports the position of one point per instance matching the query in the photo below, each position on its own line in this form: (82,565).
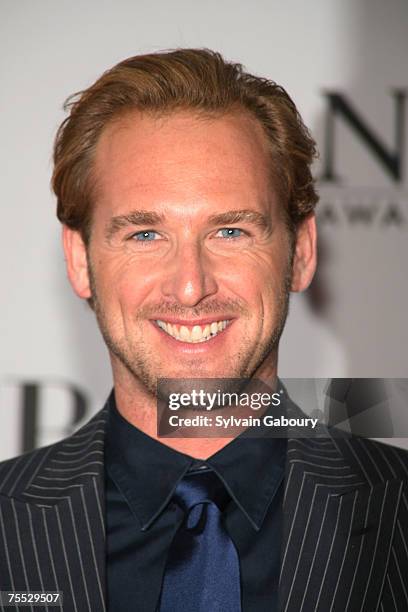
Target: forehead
(147,161)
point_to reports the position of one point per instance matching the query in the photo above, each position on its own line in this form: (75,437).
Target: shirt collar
(252,470)
(147,471)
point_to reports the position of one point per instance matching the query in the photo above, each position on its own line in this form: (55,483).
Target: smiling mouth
(195,333)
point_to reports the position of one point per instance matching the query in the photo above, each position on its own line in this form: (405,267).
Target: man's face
(189,261)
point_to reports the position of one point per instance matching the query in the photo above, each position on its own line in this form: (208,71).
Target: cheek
(132,291)
(256,276)
(123,278)
(265,287)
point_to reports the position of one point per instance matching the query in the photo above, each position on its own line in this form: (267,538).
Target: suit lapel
(339,520)
(338,528)
(59,521)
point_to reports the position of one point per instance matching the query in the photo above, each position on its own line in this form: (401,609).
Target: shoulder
(396,458)
(18,472)
(377,460)
(21,468)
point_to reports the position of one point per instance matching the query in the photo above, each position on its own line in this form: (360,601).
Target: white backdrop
(353,320)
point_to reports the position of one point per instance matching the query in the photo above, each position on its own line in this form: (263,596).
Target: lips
(193,334)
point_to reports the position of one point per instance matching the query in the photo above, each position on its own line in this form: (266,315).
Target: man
(186,198)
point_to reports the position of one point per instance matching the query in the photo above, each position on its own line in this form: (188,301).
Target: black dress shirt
(141,476)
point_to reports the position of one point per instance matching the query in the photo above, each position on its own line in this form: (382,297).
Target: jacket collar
(339,519)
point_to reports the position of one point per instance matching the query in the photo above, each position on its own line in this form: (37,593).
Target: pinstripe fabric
(52,531)
(344,545)
(342,516)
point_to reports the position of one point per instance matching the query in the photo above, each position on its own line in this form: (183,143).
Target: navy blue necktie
(202,571)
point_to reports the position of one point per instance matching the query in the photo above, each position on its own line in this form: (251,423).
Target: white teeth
(194,334)
(184,333)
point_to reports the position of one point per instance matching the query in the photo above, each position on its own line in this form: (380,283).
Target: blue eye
(144,236)
(231,232)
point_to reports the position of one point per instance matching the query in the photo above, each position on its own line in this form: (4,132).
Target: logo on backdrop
(46,410)
(344,201)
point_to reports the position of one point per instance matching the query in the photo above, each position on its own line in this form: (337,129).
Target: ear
(304,260)
(76,262)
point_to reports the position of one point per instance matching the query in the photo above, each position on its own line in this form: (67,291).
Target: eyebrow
(145,217)
(136,217)
(238,216)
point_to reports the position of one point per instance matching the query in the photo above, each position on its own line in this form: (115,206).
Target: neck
(139,407)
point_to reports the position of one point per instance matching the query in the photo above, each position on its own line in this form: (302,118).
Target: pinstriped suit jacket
(345,537)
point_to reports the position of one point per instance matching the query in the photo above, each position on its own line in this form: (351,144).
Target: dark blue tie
(202,571)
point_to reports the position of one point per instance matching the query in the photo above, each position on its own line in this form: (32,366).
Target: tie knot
(200,488)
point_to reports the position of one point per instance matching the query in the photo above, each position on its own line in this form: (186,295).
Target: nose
(189,276)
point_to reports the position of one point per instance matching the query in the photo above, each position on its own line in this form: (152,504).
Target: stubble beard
(140,362)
